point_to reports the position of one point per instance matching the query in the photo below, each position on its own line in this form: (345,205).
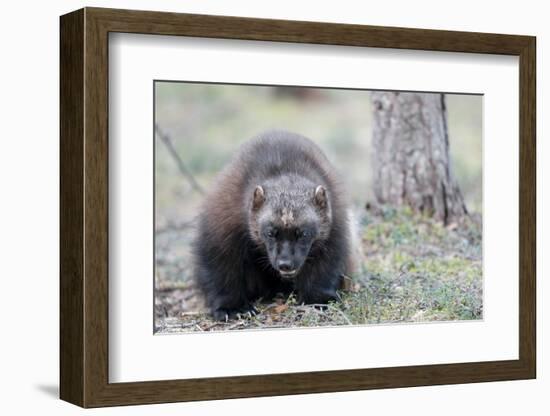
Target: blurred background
(200,127)
(207,122)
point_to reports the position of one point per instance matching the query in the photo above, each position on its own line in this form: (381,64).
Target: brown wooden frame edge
(84,207)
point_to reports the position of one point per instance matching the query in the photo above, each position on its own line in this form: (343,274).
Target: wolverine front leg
(230,304)
(320,290)
(225,294)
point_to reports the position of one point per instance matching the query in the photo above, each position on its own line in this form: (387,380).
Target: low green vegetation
(413,269)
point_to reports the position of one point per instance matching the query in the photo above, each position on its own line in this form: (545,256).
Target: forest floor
(413,269)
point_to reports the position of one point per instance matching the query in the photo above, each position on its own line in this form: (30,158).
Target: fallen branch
(179,162)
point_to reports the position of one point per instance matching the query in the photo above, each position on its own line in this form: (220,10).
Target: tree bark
(411,155)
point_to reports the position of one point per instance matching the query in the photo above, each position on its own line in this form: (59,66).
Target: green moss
(416,269)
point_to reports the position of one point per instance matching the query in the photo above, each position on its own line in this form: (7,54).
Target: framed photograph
(255,207)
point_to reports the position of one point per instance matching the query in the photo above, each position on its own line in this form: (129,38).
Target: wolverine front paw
(225,314)
(320,298)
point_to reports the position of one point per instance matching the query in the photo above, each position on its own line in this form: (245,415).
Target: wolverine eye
(272,233)
(301,234)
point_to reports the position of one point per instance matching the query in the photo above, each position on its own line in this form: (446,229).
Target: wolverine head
(288,217)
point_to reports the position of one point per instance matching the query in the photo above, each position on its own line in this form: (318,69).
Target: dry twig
(181,165)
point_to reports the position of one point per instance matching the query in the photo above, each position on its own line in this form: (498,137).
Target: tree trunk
(411,155)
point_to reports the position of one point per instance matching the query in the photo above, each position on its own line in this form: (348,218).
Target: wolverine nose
(284,265)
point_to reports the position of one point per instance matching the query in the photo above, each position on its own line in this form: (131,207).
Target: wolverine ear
(259,198)
(320,197)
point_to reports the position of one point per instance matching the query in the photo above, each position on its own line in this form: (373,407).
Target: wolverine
(275,221)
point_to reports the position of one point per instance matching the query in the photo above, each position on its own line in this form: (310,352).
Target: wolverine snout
(284,266)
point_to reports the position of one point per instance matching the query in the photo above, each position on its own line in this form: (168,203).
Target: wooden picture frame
(84,207)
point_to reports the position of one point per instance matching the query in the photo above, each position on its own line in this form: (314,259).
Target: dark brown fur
(276,220)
